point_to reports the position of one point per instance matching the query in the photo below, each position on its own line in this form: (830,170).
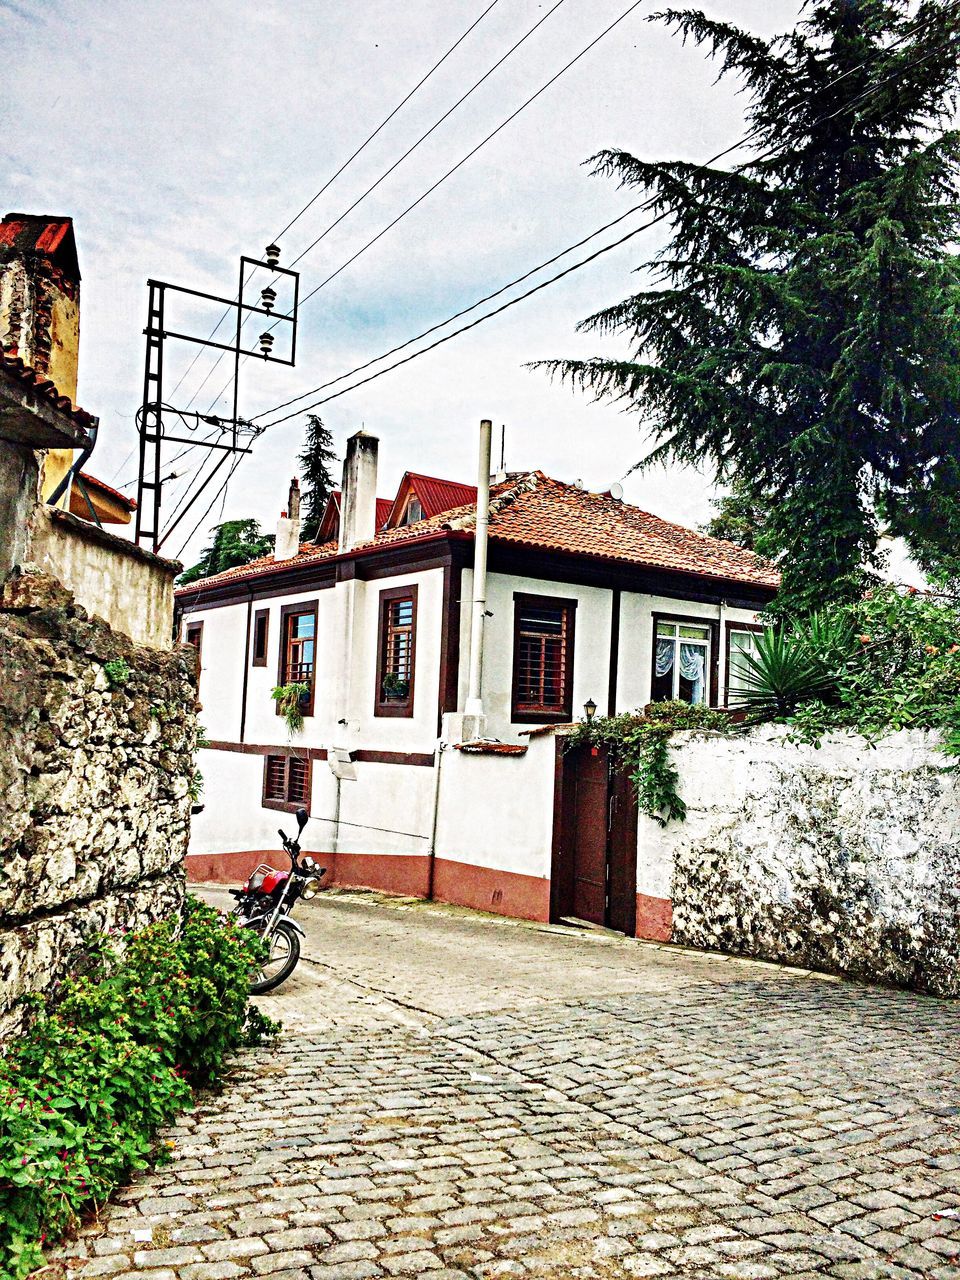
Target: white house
(588,599)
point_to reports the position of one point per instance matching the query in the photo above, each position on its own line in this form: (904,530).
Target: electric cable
(871,90)
(350,159)
(560,275)
(387,172)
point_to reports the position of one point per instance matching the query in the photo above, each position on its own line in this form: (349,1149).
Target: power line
(951,43)
(449,173)
(396,164)
(350,159)
(560,275)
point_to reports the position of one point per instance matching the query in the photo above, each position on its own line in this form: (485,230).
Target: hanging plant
(290,699)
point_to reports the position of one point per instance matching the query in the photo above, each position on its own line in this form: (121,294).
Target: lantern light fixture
(589,709)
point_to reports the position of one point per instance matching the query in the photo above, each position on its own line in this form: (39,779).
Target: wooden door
(622,855)
(590,837)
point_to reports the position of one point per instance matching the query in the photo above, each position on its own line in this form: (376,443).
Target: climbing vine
(639,742)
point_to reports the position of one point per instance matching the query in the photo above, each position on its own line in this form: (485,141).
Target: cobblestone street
(457,1096)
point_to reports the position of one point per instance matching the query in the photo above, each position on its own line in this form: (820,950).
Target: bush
(109,1061)
(901,669)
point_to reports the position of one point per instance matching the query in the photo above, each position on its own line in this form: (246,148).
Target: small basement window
(286,783)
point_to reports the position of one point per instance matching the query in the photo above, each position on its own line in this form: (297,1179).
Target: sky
(180,135)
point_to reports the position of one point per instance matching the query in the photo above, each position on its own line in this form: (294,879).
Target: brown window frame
(524,600)
(728,628)
(260,659)
(688,620)
(381,705)
(287,805)
(287,612)
(195,629)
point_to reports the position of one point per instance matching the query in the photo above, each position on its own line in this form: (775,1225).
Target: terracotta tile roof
(12,364)
(537,512)
(102,487)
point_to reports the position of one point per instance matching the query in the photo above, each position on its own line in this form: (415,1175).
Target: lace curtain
(692,668)
(664,656)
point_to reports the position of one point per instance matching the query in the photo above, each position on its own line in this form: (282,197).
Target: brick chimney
(288,526)
(40,307)
(358,502)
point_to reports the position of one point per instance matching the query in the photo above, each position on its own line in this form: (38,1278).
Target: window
(681,661)
(298,634)
(286,783)
(194,636)
(412,512)
(261,628)
(741,642)
(396,652)
(542,658)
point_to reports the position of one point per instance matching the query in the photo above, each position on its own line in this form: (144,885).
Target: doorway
(594,873)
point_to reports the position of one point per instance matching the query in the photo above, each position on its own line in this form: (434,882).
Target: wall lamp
(589,709)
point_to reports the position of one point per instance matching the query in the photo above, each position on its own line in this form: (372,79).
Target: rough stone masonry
(97,736)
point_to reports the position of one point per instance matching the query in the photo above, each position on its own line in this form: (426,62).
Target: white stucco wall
(845,858)
(497,811)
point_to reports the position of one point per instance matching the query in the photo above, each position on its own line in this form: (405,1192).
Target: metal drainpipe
(246,668)
(431,865)
(474,703)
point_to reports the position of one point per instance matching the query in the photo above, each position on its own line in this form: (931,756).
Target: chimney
(40,309)
(358,502)
(288,526)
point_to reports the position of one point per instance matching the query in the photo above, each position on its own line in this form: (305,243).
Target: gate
(594,874)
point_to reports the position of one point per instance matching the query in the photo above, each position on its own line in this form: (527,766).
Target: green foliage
(289,698)
(796,664)
(235,542)
(315,460)
(639,742)
(740,516)
(801,331)
(109,1062)
(118,672)
(902,670)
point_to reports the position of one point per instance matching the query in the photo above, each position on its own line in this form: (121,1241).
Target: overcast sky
(179,135)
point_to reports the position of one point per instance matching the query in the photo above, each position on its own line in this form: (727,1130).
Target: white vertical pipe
(474,704)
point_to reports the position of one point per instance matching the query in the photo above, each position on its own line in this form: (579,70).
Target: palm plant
(792,666)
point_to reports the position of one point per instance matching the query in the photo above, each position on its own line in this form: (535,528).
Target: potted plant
(291,699)
(395,688)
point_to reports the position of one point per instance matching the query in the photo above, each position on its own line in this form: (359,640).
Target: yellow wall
(62,372)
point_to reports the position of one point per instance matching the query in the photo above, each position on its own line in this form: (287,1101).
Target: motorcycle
(264,905)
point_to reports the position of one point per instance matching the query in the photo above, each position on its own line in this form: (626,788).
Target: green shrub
(290,699)
(795,665)
(109,1061)
(118,672)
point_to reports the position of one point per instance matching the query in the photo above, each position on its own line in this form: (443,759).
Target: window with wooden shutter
(396,652)
(542,658)
(286,782)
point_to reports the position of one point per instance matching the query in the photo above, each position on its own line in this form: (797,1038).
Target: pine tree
(741,517)
(235,542)
(802,334)
(315,459)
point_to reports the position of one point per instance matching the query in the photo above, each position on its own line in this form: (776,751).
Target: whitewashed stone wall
(94,803)
(844,858)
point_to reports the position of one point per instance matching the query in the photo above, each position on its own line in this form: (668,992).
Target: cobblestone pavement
(461,1097)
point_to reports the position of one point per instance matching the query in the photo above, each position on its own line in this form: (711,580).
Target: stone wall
(844,858)
(94,777)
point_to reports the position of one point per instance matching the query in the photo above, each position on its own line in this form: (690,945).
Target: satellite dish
(616,492)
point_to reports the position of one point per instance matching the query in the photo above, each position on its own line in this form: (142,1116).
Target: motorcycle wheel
(283,958)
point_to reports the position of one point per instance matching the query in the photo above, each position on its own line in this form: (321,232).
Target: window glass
(742,644)
(397,652)
(261,619)
(681,663)
(300,644)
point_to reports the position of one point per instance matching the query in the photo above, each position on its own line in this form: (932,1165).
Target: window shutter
(274,787)
(297,774)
